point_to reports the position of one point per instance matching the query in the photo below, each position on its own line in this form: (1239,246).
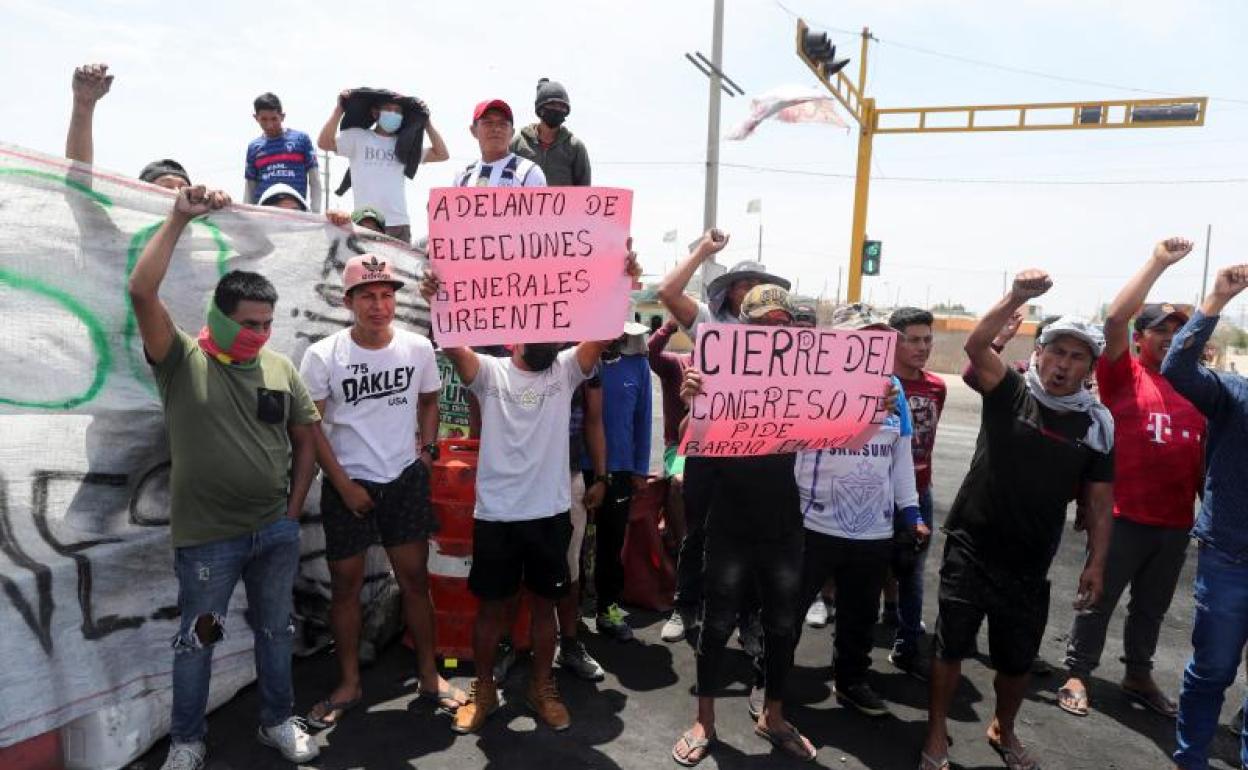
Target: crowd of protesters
(1122,419)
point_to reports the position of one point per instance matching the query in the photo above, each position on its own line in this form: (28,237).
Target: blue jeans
(267,561)
(1218,637)
(910,593)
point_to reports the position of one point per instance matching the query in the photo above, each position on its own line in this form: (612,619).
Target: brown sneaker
(544,699)
(482,701)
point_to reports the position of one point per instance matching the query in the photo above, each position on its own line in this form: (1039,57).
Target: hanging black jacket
(409,144)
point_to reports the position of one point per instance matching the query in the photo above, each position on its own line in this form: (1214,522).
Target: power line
(1009,68)
(945,180)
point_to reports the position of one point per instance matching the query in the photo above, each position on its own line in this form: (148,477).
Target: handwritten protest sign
(776,389)
(528,264)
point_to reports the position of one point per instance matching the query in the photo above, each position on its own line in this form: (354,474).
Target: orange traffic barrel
(453,491)
(454,477)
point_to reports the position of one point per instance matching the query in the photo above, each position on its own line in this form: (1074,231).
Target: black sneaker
(915,665)
(861,697)
(574,657)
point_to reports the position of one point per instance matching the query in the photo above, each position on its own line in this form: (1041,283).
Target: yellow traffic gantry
(1040,116)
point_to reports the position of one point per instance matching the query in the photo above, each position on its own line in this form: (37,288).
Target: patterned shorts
(401,514)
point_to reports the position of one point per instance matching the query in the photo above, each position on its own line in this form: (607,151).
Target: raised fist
(91,82)
(1172,250)
(1030,284)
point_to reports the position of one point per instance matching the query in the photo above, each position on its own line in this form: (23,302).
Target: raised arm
(1129,299)
(1182,365)
(91,82)
(672,288)
(327,140)
(155,325)
(588,353)
(988,367)
(464,360)
(436,152)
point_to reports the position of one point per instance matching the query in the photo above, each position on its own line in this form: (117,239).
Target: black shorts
(508,553)
(401,514)
(1017,608)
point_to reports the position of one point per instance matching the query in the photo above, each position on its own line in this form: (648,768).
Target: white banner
(789,104)
(88,606)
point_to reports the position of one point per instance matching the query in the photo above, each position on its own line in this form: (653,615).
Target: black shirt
(753,497)
(1030,462)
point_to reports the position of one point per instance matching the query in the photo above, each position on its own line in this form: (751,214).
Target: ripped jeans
(267,561)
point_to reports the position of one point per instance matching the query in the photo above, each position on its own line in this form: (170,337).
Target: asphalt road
(632,719)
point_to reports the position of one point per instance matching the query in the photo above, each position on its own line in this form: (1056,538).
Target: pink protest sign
(776,389)
(529,264)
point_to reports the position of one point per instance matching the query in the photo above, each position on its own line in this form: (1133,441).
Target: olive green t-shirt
(227,439)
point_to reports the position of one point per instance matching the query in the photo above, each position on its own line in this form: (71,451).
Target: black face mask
(539,356)
(552,118)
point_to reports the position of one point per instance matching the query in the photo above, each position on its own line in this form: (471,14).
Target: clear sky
(186,74)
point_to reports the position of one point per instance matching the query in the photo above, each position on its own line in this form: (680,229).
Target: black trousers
(859,568)
(610,524)
(734,564)
(697,499)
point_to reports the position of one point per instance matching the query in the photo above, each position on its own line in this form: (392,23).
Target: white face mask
(390,121)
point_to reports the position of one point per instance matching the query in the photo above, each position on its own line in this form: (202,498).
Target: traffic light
(817,48)
(1169,113)
(871,257)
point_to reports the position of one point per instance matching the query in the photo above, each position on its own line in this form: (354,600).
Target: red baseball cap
(492,104)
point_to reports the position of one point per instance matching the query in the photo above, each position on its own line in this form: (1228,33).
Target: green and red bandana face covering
(228,341)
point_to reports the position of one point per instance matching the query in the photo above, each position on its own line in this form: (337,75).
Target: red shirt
(1158,442)
(926,398)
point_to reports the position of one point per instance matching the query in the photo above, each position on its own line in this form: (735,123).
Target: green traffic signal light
(871,257)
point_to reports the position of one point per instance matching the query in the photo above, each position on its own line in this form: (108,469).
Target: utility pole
(711,198)
(1204,280)
(325,172)
(819,55)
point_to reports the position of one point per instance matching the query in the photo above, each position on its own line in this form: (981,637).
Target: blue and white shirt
(853,493)
(285,159)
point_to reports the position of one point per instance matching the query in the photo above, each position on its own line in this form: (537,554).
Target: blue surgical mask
(390,121)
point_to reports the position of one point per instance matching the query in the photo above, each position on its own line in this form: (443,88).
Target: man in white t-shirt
(493,128)
(522,522)
(377,389)
(376,172)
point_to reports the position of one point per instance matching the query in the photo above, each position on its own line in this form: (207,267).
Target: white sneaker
(680,624)
(185,756)
(817,615)
(291,739)
(674,629)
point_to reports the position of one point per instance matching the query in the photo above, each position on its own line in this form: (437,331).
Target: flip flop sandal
(788,740)
(442,699)
(331,713)
(1155,700)
(1073,702)
(1014,760)
(927,762)
(692,747)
